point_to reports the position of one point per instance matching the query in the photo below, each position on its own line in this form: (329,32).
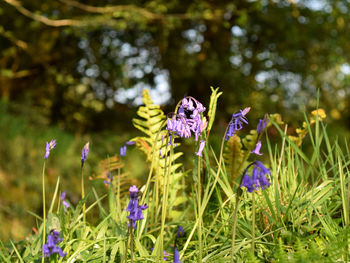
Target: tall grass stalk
(253,223)
(44,208)
(83,192)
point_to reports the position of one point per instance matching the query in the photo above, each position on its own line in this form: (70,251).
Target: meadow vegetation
(253,200)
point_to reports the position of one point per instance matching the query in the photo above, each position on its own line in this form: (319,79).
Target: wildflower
(134,208)
(180,232)
(184,126)
(51,247)
(260,177)
(64,202)
(166,255)
(109,179)
(201,147)
(262,124)
(176,256)
(84,153)
(49,146)
(257,148)
(236,122)
(123,148)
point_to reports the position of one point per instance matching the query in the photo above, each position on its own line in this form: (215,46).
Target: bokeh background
(75,70)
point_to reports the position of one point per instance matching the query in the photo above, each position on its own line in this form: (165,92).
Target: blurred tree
(72,61)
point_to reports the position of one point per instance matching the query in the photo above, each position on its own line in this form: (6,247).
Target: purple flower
(260,177)
(134,208)
(201,147)
(49,146)
(109,179)
(166,255)
(176,256)
(180,232)
(182,125)
(236,123)
(257,148)
(65,203)
(51,247)
(262,124)
(123,148)
(84,153)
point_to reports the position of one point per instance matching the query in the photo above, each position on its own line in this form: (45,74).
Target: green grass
(302,217)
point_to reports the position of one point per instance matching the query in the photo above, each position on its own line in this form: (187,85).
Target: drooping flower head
(134,209)
(260,178)
(66,205)
(188,119)
(236,122)
(262,124)
(257,148)
(201,147)
(123,148)
(49,146)
(84,153)
(51,247)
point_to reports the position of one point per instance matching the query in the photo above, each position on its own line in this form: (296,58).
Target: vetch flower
(49,146)
(134,208)
(236,122)
(64,202)
(257,148)
(262,124)
(51,247)
(84,153)
(260,177)
(201,147)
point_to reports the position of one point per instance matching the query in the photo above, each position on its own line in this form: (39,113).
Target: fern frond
(233,156)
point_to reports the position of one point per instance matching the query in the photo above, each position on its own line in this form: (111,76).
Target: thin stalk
(131,241)
(44,209)
(83,192)
(118,192)
(253,223)
(234,228)
(199,208)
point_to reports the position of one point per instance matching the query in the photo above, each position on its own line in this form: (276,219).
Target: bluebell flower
(123,148)
(200,149)
(49,146)
(176,256)
(51,247)
(262,124)
(180,232)
(182,125)
(260,177)
(236,123)
(84,153)
(257,148)
(64,202)
(134,209)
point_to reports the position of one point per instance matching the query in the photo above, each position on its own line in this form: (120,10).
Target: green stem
(234,227)
(199,208)
(44,209)
(253,223)
(83,193)
(131,242)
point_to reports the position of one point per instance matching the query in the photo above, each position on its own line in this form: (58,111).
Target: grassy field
(296,209)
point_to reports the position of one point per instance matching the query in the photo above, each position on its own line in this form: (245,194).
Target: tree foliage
(74,60)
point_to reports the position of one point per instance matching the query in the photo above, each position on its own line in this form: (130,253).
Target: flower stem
(199,190)
(131,241)
(44,209)
(253,223)
(83,193)
(234,227)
